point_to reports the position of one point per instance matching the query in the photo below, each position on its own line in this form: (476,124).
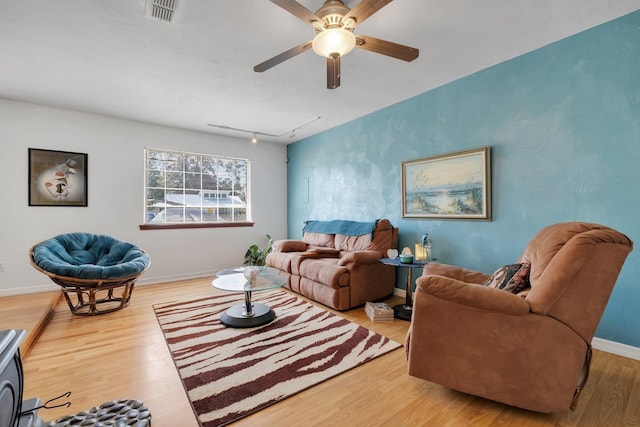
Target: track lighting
(254,134)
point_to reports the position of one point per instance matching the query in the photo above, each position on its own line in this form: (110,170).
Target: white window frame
(193,190)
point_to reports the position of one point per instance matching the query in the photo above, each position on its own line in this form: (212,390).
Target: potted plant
(257,256)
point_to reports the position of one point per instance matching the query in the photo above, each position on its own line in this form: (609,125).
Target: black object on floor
(115,413)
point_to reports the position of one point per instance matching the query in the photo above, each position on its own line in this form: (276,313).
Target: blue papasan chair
(96,272)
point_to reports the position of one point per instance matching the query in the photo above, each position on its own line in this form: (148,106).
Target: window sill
(195,225)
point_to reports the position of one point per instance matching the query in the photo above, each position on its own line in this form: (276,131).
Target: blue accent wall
(563,124)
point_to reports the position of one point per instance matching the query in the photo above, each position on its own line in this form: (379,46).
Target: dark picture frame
(449,186)
(57,178)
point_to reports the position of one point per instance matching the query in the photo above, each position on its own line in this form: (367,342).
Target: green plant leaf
(257,256)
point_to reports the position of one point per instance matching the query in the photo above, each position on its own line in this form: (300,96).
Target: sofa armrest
(472,295)
(455,272)
(360,257)
(289,246)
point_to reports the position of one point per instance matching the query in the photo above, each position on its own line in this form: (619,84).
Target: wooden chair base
(91,301)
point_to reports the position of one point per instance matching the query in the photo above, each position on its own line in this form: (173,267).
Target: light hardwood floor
(123,354)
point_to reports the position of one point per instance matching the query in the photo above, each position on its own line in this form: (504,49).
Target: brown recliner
(533,349)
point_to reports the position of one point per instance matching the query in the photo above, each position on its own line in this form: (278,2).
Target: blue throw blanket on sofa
(339,226)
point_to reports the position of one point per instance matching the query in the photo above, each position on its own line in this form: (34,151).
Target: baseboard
(399,292)
(600,344)
(29,290)
(155,280)
(616,348)
(47,287)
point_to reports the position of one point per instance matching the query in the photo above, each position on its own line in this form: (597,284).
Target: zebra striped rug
(230,373)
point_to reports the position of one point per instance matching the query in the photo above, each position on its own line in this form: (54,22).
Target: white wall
(115,182)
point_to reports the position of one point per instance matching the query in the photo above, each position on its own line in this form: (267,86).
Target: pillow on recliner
(511,278)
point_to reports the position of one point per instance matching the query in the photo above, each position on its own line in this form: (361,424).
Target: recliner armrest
(289,246)
(455,272)
(472,295)
(360,257)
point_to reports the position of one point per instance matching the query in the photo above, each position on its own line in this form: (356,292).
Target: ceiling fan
(334,24)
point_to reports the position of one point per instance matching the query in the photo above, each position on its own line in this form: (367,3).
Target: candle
(420,252)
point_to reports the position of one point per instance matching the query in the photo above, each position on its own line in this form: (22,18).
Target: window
(190,189)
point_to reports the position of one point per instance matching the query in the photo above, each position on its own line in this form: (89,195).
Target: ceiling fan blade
(282,57)
(384,47)
(365,9)
(333,71)
(296,9)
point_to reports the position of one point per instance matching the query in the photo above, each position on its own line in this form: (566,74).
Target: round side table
(404,311)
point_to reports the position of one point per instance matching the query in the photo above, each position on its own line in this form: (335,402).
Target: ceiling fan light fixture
(333,41)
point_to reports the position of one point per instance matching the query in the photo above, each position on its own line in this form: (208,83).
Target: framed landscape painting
(449,186)
(57,178)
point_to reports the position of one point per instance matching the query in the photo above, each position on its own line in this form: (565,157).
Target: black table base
(402,311)
(237,317)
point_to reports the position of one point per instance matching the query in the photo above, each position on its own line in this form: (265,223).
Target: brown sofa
(337,262)
(533,349)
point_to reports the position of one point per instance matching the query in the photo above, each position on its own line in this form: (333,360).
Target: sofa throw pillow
(512,278)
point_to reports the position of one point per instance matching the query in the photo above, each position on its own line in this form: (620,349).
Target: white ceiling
(107,57)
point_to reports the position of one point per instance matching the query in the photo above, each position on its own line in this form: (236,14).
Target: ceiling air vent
(162,10)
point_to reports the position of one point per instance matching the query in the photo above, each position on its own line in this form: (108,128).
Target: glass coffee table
(248,280)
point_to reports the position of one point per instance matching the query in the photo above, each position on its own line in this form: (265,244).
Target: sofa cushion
(352,243)
(325,271)
(289,262)
(319,239)
(281,260)
(380,240)
(512,278)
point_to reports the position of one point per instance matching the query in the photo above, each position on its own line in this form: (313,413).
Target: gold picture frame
(449,186)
